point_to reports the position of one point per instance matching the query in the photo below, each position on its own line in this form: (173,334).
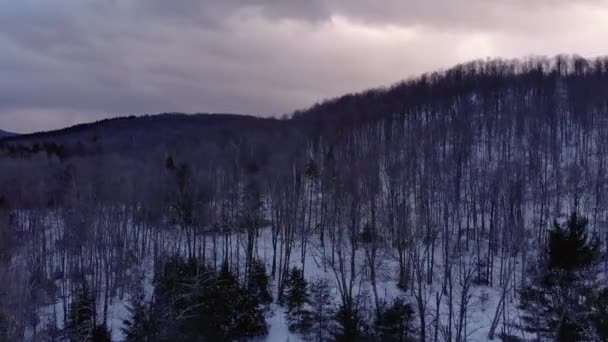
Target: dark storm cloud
(214,13)
(68,61)
(498,15)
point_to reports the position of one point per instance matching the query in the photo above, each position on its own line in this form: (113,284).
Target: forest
(460,205)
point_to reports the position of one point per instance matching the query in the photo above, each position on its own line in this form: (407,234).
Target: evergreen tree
(349,327)
(322,311)
(169,163)
(239,315)
(599,317)
(198,303)
(142,326)
(260,283)
(81,316)
(570,248)
(248,319)
(3,328)
(552,304)
(395,322)
(296,299)
(231,310)
(101,334)
(50,333)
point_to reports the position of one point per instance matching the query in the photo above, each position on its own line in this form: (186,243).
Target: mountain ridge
(4,134)
(496,73)
(117,120)
(333,118)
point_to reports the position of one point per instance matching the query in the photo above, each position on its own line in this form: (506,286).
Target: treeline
(130,136)
(455,178)
(26,151)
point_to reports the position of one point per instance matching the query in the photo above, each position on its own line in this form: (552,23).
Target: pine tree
(224,297)
(395,322)
(322,312)
(552,303)
(142,326)
(101,334)
(81,316)
(260,283)
(349,324)
(231,310)
(248,319)
(570,248)
(200,303)
(599,317)
(169,163)
(50,333)
(3,328)
(296,298)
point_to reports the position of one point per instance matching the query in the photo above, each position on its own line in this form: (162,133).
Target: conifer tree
(348,324)
(101,334)
(3,328)
(554,303)
(142,326)
(395,322)
(296,299)
(81,316)
(198,303)
(599,315)
(50,333)
(260,283)
(321,309)
(570,248)
(232,309)
(248,319)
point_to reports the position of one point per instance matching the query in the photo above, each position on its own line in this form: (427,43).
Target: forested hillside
(5,134)
(463,205)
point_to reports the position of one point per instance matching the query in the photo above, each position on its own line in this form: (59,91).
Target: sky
(64,62)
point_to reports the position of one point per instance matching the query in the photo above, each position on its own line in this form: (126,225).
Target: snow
(482,306)
(277,326)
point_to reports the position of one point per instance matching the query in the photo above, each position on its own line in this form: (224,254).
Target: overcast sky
(68,61)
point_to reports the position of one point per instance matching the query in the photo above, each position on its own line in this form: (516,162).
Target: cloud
(68,61)
(450,15)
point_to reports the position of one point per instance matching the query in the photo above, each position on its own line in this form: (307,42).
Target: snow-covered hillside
(454,192)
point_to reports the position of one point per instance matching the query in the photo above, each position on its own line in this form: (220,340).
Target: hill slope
(4,134)
(441,190)
(138,136)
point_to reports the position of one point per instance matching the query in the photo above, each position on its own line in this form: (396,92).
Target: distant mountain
(137,136)
(4,134)
(150,123)
(458,93)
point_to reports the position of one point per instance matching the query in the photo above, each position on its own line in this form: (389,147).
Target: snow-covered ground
(482,300)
